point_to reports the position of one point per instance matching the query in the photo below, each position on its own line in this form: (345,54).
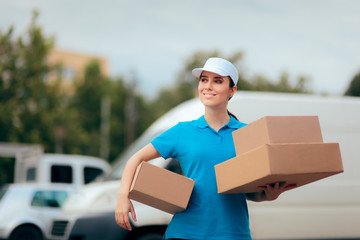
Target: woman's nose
(208,85)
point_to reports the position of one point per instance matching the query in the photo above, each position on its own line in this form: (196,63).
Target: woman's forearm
(128,175)
(145,154)
(124,205)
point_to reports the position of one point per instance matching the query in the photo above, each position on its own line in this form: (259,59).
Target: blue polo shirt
(209,215)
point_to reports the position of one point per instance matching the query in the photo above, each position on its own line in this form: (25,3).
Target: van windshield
(3,190)
(119,165)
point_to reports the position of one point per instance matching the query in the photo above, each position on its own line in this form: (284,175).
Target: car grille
(59,228)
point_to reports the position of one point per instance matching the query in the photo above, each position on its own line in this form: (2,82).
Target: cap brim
(197,72)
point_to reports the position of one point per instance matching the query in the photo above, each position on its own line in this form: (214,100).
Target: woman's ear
(233,90)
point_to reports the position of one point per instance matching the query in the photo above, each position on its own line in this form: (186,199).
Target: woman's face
(214,90)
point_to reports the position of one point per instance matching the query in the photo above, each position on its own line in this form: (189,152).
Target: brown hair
(231,85)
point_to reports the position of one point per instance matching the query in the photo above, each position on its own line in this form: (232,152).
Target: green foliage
(354,87)
(82,115)
(27,102)
(118,96)
(261,83)
(120,127)
(83,119)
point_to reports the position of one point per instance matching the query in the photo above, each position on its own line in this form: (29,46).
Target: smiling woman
(198,145)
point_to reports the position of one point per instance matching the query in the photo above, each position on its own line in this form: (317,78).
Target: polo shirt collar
(233,123)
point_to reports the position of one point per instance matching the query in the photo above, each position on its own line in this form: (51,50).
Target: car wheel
(150,236)
(26,233)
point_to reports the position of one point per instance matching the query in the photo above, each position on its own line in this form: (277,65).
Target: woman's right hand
(123,208)
(124,205)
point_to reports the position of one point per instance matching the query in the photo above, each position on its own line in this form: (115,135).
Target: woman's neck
(216,118)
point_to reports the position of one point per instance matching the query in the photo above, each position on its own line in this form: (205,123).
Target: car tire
(150,236)
(26,233)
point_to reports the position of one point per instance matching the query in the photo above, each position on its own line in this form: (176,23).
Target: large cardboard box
(296,163)
(277,129)
(161,188)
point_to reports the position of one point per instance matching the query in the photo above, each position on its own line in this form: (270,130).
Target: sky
(319,39)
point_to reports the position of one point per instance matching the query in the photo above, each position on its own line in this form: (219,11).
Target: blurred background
(88,77)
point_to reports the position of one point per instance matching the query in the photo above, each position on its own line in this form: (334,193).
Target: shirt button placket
(219,139)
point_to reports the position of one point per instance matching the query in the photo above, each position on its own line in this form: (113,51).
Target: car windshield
(3,190)
(120,163)
(45,198)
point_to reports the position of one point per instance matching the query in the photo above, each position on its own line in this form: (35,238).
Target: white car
(27,210)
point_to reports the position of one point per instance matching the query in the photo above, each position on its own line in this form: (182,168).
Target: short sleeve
(166,143)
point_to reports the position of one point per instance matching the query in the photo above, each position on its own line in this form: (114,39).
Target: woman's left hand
(273,192)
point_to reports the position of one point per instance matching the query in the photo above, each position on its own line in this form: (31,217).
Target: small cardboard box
(277,129)
(161,188)
(296,163)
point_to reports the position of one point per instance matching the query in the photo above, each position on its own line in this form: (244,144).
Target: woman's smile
(209,94)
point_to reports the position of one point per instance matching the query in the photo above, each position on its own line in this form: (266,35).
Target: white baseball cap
(219,66)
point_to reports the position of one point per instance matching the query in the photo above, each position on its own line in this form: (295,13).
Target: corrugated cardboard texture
(161,188)
(277,129)
(296,163)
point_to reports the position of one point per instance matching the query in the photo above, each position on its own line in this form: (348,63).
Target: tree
(354,86)
(82,121)
(27,103)
(129,109)
(263,84)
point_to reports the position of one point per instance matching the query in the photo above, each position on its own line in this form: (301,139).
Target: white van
(327,209)
(32,165)
(42,183)
(72,169)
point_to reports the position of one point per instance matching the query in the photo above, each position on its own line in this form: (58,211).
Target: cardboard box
(277,129)
(161,188)
(297,163)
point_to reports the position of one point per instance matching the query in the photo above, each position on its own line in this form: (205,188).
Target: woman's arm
(124,205)
(269,193)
